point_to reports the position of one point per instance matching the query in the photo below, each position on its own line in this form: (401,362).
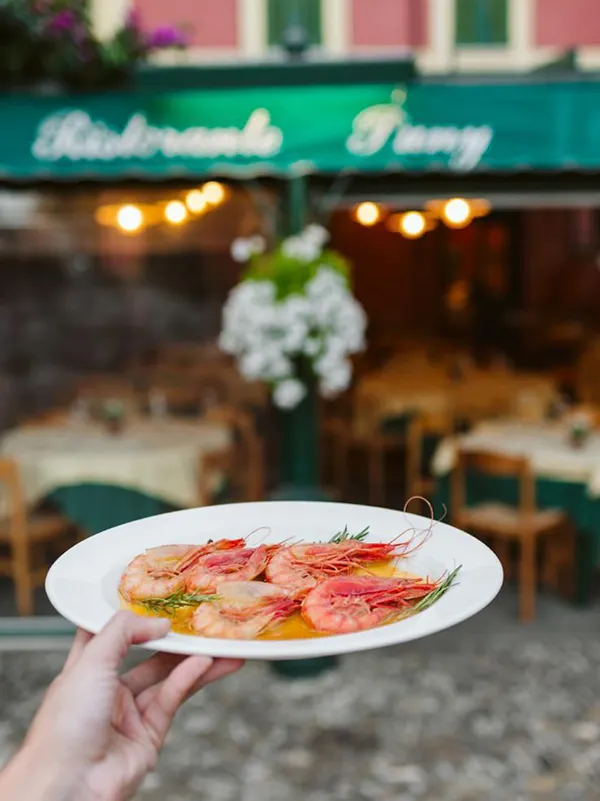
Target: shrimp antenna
(266,529)
(417,538)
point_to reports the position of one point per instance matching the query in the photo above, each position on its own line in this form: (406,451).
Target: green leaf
(172,603)
(428,600)
(344,535)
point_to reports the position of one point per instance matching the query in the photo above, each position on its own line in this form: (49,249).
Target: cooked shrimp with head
(240,564)
(299,568)
(354,603)
(242,610)
(160,572)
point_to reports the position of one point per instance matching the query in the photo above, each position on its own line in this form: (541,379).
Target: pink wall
(563,24)
(388,23)
(213,23)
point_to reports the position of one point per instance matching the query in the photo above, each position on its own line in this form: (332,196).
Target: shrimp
(243,610)
(160,572)
(353,603)
(241,564)
(299,568)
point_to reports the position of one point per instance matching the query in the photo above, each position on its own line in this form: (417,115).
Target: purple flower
(133,19)
(63,21)
(166,36)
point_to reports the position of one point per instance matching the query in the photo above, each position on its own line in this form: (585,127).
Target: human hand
(98,733)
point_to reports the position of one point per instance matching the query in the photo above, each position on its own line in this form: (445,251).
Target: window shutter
(481,22)
(281,12)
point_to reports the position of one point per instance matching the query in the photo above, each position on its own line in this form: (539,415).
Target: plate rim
(277,650)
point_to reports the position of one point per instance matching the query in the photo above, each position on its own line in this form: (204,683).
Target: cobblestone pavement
(489,711)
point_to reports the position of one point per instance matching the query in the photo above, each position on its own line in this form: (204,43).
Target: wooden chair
(419,482)
(376,445)
(524,524)
(21,538)
(99,389)
(242,463)
(190,354)
(588,374)
(187,389)
(51,417)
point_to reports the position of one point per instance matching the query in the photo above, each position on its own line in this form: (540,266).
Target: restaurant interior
(478,390)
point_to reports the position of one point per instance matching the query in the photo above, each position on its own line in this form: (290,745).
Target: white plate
(82,584)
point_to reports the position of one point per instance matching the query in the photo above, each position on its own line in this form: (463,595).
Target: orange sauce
(292,628)
(180,621)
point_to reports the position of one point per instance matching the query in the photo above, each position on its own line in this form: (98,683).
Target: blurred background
(451,149)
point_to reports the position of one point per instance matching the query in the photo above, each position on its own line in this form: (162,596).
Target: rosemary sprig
(428,600)
(172,603)
(344,535)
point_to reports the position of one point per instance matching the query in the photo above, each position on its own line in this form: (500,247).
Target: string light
(175,212)
(196,201)
(457,213)
(130,219)
(412,224)
(214,192)
(367,213)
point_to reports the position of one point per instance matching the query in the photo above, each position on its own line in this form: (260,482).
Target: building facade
(444,35)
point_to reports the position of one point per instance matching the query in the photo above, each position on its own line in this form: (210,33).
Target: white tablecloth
(546,446)
(158,458)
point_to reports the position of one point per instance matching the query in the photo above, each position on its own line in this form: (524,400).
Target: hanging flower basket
(293,321)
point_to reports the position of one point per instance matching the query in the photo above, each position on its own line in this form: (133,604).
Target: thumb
(109,647)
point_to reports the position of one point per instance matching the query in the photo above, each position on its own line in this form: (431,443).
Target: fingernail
(162,625)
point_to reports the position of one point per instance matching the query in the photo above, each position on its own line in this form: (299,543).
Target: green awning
(283,130)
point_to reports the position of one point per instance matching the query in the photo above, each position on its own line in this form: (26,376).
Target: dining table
(100,477)
(567,477)
(439,392)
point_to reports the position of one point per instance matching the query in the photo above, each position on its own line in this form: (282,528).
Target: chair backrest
(588,374)
(98,390)
(418,428)
(216,385)
(190,354)
(10,484)
(246,459)
(493,465)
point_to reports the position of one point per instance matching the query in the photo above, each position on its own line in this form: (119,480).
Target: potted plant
(50,45)
(294,323)
(113,414)
(580,429)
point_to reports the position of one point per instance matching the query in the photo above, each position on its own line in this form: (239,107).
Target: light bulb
(457,213)
(130,219)
(367,213)
(412,224)
(214,192)
(196,201)
(175,212)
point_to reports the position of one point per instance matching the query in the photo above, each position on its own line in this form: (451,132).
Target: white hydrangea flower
(294,337)
(327,282)
(296,307)
(289,393)
(228,342)
(337,380)
(241,249)
(297,247)
(324,324)
(312,346)
(252,365)
(316,234)
(258,243)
